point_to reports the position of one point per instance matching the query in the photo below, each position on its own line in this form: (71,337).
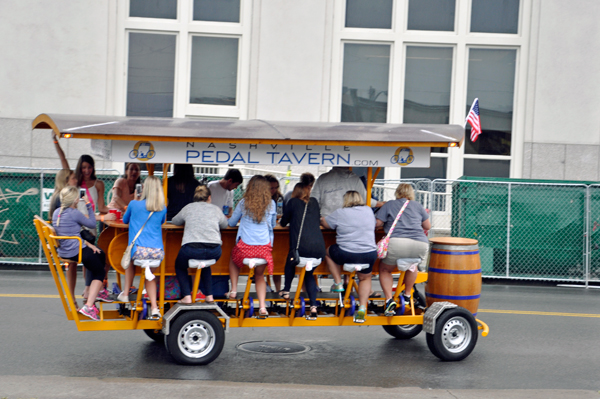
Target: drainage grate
(273,347)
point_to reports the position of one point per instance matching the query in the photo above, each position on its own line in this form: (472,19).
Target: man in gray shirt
(330,187)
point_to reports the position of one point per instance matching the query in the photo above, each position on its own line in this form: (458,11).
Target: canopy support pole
(165,181)
(370,181)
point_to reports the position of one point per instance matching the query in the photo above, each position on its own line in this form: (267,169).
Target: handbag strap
(139,232)
(301,225)
(396,220)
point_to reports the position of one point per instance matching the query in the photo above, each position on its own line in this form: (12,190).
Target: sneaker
(92,312)
(103,296)
(337,287)
(390,307)
(420,302)
(359,316)
(132,290)
(123,297)
(406,299)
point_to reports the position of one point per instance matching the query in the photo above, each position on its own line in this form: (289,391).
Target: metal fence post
(586,267)
(508,231)
(41,212)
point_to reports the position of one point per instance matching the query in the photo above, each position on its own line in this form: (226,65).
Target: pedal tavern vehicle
(194,334)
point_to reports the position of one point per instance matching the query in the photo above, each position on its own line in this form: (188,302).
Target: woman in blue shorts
(355,243)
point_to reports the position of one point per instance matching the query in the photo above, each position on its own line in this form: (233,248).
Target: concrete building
(530,63)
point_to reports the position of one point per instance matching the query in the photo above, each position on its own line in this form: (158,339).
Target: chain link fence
(526,230)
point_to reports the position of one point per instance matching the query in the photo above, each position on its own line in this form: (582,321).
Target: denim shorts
(340,257)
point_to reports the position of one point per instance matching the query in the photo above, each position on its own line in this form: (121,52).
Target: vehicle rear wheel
(156,335)
(455,335)
(196,337)
(404,332)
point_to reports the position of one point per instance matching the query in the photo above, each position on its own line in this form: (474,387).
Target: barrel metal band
(446,271)
(433,251)
(459,248)
(453,297)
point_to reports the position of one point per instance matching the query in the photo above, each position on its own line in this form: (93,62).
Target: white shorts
(400,248)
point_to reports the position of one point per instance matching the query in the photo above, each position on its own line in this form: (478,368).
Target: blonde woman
(149,244)
(408,240)
(355,243)
(257,215)
(67,221)
(64,178)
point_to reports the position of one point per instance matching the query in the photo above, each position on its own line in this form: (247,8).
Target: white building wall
(54,62)
(292,60)
(564,137)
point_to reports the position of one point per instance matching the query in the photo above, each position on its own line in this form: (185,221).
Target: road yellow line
(530,312)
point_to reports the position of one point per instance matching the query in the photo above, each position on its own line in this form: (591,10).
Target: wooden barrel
(454,272)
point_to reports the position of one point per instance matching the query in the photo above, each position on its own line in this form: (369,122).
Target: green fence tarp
(546,235)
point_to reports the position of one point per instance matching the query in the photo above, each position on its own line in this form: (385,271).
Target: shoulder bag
(382,245)
(126,259)
(294,256)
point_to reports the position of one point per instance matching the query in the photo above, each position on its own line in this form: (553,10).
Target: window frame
(184,27)
(461,39)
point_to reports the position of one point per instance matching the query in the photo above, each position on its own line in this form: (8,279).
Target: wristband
(102,218)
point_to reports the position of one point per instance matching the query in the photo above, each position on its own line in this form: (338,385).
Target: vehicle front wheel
(196,337)
(404,332)
(455,335)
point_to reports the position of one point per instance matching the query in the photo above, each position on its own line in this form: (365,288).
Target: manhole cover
(273,347)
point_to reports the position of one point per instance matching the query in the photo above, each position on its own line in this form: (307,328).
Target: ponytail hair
(68,196)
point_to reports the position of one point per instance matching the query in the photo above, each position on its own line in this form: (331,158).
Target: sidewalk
(13,387)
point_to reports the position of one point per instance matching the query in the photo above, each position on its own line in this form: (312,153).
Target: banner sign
(261,154)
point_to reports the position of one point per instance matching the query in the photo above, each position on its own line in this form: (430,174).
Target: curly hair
(257,198)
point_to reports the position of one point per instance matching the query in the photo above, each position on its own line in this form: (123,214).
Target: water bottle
(280,206)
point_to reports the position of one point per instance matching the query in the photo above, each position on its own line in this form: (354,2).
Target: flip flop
(232,294)
(284,294)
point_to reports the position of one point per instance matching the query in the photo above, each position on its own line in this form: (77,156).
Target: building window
(431,15)
(165,9)
(217,11)
(151,74)
(184,58)
(486,168)
(492,80)
(214,70)
(374,14)
(495,16)
(365,82)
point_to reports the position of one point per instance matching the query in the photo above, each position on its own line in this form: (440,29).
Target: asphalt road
(540,337)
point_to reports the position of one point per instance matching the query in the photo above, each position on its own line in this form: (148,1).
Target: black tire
(196,337)
(156,335)
(455,335)
(404,332)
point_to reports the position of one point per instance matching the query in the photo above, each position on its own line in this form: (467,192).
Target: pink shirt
(126,196)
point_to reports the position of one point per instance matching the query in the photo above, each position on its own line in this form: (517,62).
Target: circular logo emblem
(143,151)
(403,156)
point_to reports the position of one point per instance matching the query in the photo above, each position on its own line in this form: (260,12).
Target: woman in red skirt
(257,215)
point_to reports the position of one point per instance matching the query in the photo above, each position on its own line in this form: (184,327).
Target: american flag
(474,121)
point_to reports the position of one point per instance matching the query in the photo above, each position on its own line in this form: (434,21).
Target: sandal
(285,295)
(232,294)
(155,314)
(262,313)
(313,313)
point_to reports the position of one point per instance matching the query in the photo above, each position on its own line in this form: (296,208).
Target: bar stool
(199,264)
(147,264)
(309,263)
